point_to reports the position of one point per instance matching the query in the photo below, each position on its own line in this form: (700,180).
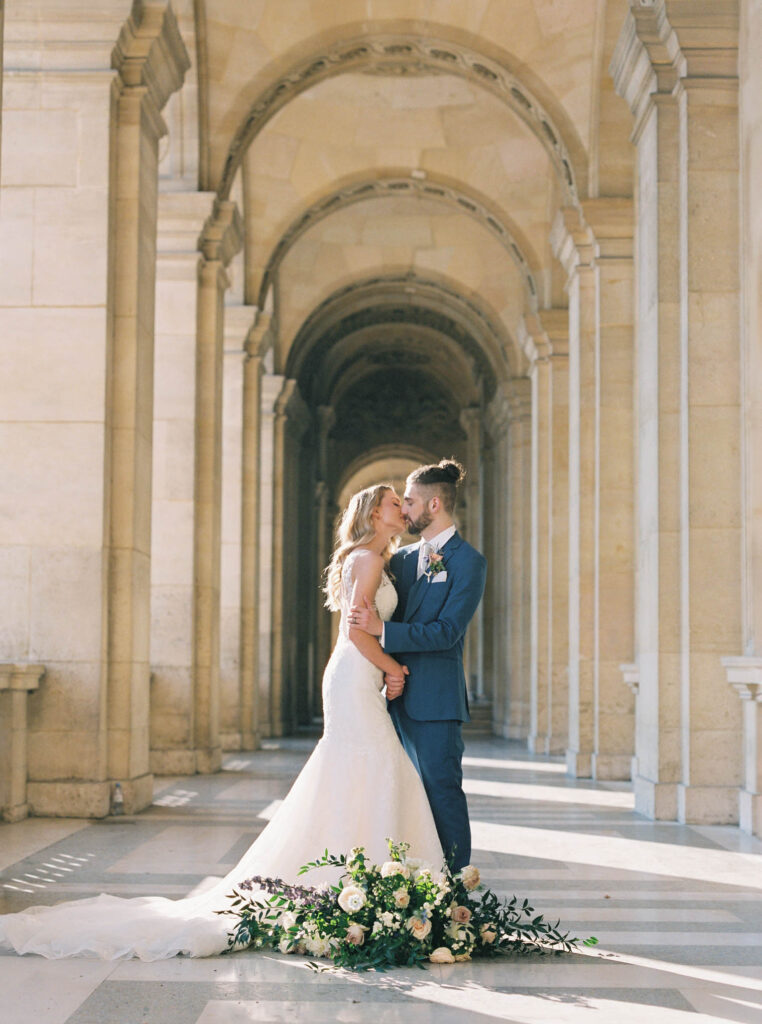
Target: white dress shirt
(428,547)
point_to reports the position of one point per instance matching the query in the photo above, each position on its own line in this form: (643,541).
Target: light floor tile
(46,991)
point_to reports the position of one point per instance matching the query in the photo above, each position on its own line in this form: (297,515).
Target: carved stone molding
(222,235)
(631,675)
(150,55)
(21,677)
(424,188)
(745,675)
(403,55)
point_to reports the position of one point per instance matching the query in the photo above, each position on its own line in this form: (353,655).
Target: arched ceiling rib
(427,187)
(413,53)
(405,299)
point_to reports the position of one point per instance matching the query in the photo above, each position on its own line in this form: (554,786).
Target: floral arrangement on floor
(400,913)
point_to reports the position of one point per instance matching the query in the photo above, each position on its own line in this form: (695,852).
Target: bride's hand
(365,618)
(395,683)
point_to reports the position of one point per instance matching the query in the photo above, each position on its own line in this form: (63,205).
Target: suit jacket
(428,626)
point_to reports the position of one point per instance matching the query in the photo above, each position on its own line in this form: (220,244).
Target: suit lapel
(416,593)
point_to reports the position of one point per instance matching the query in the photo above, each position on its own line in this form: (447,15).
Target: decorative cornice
(150,52)
(403,54)
(571,240)
(664,41)
(259,338)
(222,234)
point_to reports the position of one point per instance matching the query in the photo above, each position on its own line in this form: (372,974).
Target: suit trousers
(436,750)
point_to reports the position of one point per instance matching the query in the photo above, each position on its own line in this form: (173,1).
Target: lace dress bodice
(386,595)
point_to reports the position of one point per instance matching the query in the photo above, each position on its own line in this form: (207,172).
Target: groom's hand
(366,619)
(395,682)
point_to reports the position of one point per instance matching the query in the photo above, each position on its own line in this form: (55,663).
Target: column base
(208,760)
(15,813)
(173,762)
(230,741)
(750,812)
(71,799)
(138,793)
(612,767)
(655,800)
(707,805)
(550,746)
(579,766)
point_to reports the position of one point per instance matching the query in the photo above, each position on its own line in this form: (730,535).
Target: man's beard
(416,526)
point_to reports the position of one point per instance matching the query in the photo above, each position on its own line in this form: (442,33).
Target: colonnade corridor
(676,908)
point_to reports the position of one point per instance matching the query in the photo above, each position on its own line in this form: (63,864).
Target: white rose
(351,899)
(394,867)
(401,897)
(418,927)
(356,934)
(424,871)
(377,926)
(460,957)
(386,919)
(442,955)
(470,876)
(287,920)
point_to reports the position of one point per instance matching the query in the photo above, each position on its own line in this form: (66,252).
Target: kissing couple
(389,761)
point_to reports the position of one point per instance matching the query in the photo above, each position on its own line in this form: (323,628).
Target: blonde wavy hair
(355,529)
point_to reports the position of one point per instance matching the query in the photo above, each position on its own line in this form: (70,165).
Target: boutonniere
(435,565)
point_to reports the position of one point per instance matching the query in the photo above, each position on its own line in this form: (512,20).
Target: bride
(357,788)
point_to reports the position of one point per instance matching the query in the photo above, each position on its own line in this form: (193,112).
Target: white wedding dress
(357,788)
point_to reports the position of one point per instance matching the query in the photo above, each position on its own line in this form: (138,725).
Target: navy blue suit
(426,633)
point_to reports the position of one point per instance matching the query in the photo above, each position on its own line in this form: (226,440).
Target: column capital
(571,240)
(326,419)
(518,392)
(21,677)
(272,387)
(150,56)
(470,420)
(612,223)
(239,321)
(544,336)
(259,339)
(663,41)
(497,415)
(222,234)
(745,676)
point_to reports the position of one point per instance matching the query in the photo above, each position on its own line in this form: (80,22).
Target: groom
(440,582)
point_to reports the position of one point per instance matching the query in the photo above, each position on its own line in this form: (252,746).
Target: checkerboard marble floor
(677,909)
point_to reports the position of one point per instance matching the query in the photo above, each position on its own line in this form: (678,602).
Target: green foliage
(398,914)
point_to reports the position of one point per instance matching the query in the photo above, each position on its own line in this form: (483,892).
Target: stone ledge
(21,677)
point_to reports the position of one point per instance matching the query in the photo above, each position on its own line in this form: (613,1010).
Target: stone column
(272,385)
(545,343)
(256,344)
(644,74)
(16,683)
(471,421)
(220,240)
(287,429)
(499,579)
(691,51)
(572,245)
(325,515)
(233,724)
(745,676)
(150,60)
(611,222)
(181,217)
(519,398)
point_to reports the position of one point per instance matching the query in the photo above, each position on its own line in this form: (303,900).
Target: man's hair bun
(453,470)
